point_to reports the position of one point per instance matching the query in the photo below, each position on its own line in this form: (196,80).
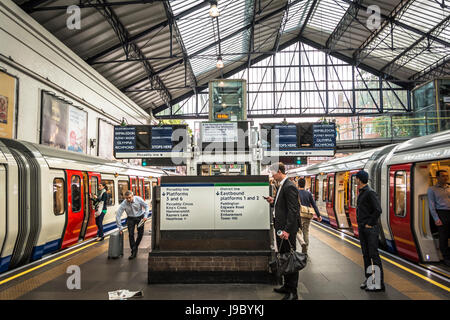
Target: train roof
(427,148)
(61,159)
(351,162)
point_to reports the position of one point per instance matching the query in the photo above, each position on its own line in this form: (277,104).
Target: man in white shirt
(136,209)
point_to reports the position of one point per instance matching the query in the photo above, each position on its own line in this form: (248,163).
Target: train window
(324,190)
(123,187)
(58,196)
(76,193)
(354,191)
(134,186)
(330,188)
(400,193)
(141,186)
(147,190)
(94,185)
(110,199)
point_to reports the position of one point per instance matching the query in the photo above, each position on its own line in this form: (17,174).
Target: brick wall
(208,263)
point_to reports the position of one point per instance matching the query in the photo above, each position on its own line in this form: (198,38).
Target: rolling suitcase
(115,249)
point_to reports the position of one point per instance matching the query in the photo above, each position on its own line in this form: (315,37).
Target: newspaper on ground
(124,294)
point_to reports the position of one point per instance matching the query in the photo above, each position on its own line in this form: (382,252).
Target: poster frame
(98,136)
(16,101)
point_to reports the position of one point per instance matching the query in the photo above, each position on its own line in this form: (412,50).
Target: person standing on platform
(102,200)
(307,200)
(368,211)
(439,203)
(136,209)
(287,216)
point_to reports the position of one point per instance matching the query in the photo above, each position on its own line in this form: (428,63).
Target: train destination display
(298,139)
(215,206)
(166,141)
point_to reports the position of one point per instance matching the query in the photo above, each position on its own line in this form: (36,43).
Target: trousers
(444,232)
(305,230)
(290,280)
(132,223)
(99,223)
(369,246)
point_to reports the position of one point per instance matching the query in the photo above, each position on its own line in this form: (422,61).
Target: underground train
(400,174)
(44,198)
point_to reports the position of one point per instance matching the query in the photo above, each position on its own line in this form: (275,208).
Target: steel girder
(131,48)
(187,62)
(414,50)
(363,51)
(346,21)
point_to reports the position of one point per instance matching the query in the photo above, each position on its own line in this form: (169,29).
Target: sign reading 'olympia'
(215,206)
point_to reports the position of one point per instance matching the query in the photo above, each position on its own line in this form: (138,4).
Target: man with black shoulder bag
(286,223)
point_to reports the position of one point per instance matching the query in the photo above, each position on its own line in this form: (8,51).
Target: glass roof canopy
(199,31)
(175,37)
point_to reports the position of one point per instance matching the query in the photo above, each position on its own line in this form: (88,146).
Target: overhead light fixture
(213,10)
(219,63)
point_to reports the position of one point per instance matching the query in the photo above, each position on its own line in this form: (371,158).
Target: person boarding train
(137,210)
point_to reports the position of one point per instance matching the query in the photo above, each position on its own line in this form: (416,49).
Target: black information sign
(298,140)
(324,135)
(166,141)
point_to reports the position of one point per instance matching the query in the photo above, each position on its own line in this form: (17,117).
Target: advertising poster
(7,105)
(105,140)
(54,122)
(76,140)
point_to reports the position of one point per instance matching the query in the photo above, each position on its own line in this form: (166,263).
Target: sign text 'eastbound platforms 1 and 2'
(215,206)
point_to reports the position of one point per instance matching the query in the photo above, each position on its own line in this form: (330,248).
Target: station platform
(334,272)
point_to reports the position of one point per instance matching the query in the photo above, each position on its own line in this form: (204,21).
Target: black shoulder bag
(289,262)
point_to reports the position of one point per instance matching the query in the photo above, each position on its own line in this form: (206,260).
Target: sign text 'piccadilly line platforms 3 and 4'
(211,229)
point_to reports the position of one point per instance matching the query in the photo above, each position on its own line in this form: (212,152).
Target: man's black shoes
(363,285)
(381,289)
(133,255)
(281,290)
(290,296)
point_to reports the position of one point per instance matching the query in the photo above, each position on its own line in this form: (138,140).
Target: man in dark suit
(287,216)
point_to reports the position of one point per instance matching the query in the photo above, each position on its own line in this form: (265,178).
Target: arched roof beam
(131,48)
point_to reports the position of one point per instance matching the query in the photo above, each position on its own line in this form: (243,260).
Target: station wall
(41,62)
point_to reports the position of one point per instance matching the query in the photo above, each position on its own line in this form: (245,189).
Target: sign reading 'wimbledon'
(215,206)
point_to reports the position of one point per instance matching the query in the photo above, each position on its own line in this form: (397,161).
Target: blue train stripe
(4,263)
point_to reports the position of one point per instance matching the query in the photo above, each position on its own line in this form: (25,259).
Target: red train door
(89,228)
(141,187)
(353,196)
(400,210)
(331,199)
(133,185)
(75,208)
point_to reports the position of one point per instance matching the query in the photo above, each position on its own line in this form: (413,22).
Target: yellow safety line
(392,262)
(46,263)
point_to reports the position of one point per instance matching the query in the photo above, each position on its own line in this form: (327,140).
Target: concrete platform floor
(334,272)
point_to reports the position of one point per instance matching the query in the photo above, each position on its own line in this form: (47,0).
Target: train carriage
(45,201)
(401,175)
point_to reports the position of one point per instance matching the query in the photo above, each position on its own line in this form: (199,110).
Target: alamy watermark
(74,280)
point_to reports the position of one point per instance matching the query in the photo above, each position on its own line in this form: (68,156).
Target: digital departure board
(220,136)
(165,141)
(298,139)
